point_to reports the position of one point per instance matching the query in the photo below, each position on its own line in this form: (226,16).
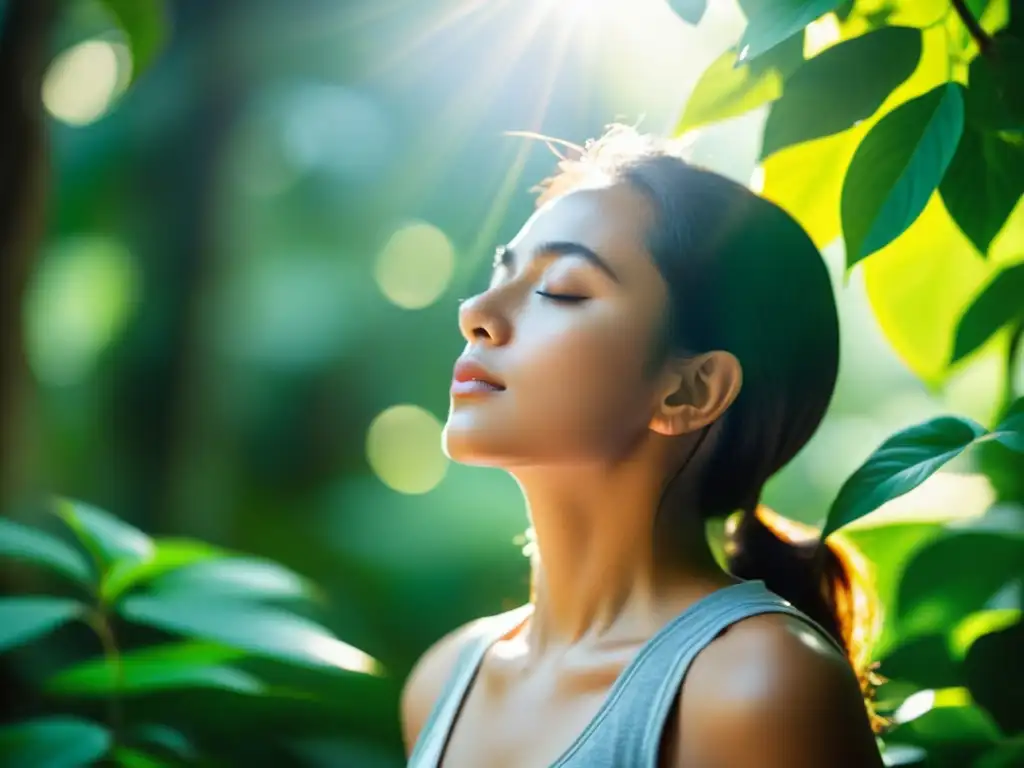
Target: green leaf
(995,676)
(998,305)
(53,742)
(897,167)
(167,740)
(134,758)
(1009,754)
(241,577)
(259,629)
(33,546)
(23,619)
(161,668)
(690,11)
(107,537)
(772,21)
(982,185)
(726,90)
(888,548)
(925,661)
(144,23)
(946,728)
(843,85)
(167,556)
(995,95)
(900,464)
(934,594)
(1010,431)
(979,624)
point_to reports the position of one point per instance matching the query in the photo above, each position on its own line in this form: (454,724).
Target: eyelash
(562,297)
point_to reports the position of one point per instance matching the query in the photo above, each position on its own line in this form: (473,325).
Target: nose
(479,321)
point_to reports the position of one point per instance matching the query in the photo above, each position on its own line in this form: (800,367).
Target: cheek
(574,391)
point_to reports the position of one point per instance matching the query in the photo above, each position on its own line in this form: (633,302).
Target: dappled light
(414,266)
(403,446)
(82,297)
(84,81)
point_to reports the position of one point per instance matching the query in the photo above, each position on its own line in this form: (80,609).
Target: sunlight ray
(470,15)
(488,229)
(455,120)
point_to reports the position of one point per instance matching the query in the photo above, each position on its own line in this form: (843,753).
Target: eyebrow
(507,257)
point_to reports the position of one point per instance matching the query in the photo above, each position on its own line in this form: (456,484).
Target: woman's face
(575,371)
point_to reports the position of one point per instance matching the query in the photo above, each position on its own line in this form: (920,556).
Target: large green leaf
(726,90)
(998,305)
(23,619)
(53,742)
(145,24)
(109,538)
(690,11)
(983,184)
(843,85)
(256,628)
(33,546)
(168,555)
(897,167)
(769,22)
(935,594)
(241,577)
(160,668)
(995,676)
(900,464)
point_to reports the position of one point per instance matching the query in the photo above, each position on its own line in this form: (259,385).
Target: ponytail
(829,582)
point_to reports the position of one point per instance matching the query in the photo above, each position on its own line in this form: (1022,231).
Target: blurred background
(242,322)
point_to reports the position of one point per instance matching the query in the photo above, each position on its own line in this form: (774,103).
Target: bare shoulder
(771,692)
(430,674)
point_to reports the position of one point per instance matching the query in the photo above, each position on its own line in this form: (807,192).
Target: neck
(598,573)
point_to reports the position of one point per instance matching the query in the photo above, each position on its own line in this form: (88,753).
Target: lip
(472,378)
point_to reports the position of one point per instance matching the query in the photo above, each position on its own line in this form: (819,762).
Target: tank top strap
(434,735)
(634,722)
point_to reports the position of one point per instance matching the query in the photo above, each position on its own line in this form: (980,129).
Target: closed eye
(566,298)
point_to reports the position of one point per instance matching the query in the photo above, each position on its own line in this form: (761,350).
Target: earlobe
(701,389)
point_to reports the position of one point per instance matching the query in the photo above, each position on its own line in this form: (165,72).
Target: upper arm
(771,694)
(427,679)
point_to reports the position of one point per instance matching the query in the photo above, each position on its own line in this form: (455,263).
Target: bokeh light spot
(81,297)
(335,129)
(415,265)
(83,81)
(403,447)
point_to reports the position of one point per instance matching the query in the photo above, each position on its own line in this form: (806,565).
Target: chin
(467,443)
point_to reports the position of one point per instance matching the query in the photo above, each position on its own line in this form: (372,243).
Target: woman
(655,343)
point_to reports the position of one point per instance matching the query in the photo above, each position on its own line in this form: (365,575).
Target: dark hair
(744,277)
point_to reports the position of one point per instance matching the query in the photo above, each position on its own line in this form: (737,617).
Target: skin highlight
(593,433)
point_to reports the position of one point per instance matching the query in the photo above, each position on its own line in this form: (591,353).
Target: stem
(981,37)
(101,624)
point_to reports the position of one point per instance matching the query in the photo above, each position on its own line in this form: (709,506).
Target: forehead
(611,219)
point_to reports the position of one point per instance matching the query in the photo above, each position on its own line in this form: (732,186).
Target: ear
(696,392)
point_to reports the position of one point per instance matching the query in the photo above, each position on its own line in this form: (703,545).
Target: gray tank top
(626,731)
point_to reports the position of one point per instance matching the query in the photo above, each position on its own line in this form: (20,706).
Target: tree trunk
(25,28)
